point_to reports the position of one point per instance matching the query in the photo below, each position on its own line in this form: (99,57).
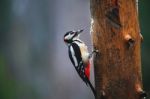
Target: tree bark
(116,34)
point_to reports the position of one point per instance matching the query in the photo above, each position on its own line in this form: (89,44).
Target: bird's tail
(92,88)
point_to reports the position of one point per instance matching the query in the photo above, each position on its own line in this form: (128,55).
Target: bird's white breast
(84,52)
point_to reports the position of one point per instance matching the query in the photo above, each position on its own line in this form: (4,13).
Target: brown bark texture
(116,34)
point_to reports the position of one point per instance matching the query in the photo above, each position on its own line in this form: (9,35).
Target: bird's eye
(71,33)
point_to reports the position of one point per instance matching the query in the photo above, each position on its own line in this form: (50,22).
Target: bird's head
(70,36)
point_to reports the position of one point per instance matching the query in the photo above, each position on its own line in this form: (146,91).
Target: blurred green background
(144,16)
(33,61)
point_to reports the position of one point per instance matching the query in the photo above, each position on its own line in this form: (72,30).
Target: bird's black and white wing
(76,59)
(75,54)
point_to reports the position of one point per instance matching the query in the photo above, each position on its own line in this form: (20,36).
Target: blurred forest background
(34,61)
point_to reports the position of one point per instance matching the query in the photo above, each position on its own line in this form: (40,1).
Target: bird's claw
(96,51)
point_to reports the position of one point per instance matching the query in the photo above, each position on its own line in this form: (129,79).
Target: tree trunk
(116,35)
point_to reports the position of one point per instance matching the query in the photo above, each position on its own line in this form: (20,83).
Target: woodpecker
(79,56)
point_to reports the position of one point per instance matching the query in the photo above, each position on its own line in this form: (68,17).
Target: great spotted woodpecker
(79,56)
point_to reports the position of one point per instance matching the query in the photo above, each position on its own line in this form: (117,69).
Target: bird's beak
(79,31)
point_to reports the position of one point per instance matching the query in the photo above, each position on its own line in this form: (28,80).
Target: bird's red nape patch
(87,70)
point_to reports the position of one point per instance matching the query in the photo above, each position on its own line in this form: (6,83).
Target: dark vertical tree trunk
(116,35)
